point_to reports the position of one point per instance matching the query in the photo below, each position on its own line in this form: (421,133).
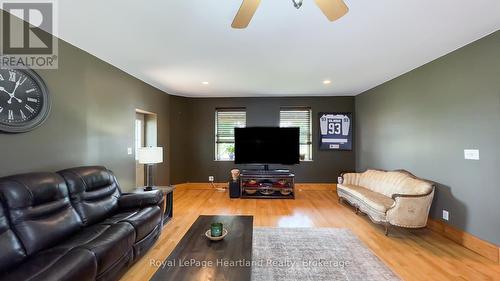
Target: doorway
(146,132)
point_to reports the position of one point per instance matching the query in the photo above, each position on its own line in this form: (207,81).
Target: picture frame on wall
(336,129)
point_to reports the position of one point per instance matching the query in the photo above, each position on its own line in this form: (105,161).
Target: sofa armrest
(140,200)
(350,178)
(410,210)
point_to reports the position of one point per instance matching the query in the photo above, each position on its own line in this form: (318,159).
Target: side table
(168,200)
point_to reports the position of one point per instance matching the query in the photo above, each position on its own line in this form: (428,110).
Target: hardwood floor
(412,254)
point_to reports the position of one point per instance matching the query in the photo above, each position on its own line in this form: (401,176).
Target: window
(226,119)
(299,117)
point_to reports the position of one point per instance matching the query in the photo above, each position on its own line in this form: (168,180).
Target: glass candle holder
(216,229)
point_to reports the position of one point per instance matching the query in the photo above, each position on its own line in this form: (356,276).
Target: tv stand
(270,184)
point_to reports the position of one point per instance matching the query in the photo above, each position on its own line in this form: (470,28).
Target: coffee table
(197,258)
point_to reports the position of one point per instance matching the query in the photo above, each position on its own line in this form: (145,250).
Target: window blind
(299,117)
(227,120)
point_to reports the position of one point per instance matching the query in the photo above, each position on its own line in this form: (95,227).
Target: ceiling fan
(333,10)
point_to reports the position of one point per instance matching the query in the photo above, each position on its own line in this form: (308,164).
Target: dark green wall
(193,136)
(91,123)
(180,115)
(422,122)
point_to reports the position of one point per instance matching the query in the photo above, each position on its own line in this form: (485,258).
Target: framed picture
(335,131)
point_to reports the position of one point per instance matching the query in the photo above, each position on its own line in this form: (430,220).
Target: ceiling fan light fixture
(332,9)
(297,3)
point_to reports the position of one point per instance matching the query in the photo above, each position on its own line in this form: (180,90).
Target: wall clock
(24,100)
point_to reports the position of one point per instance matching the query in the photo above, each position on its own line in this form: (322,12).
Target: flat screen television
(267,145)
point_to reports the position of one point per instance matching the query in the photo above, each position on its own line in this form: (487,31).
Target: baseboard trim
(301,186)
(316,186)
(200,185)
(467,240)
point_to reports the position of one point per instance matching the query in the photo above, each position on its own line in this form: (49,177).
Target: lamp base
(149,179)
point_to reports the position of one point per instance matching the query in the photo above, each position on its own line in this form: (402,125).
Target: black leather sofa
(73,225)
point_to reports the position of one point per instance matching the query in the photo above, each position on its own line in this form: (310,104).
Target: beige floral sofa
(388,197)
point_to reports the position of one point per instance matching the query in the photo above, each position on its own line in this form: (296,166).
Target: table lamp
(150,156)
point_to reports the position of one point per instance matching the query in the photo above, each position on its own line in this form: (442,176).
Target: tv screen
(267,145)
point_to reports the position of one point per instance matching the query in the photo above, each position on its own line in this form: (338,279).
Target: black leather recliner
(73,225)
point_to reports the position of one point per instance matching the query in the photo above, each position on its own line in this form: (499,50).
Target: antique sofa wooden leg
(340,200)
(357,210)
(387,230)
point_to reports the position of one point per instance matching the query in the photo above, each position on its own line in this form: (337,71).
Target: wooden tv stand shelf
(273,184)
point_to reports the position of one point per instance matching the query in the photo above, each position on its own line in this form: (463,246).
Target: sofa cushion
(393,182)
(108,243)
(94,192)
(61,265)
(12,250)
(39,209)
(120,216)
(374,200)
(143,220)
(112,245)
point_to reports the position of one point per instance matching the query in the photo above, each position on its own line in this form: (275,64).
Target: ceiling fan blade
(333,9)
(245,14)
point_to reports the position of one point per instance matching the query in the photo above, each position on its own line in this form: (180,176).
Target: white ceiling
(176,45)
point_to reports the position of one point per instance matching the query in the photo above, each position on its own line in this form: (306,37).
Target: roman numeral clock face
(24,100)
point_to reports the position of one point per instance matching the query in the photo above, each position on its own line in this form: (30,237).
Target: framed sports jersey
(335,131)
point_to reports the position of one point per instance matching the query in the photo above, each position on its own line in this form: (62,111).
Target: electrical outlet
(471,154)
(129,150)
(211,178)
(446,215)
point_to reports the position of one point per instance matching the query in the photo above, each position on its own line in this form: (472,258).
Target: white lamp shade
(150,155)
